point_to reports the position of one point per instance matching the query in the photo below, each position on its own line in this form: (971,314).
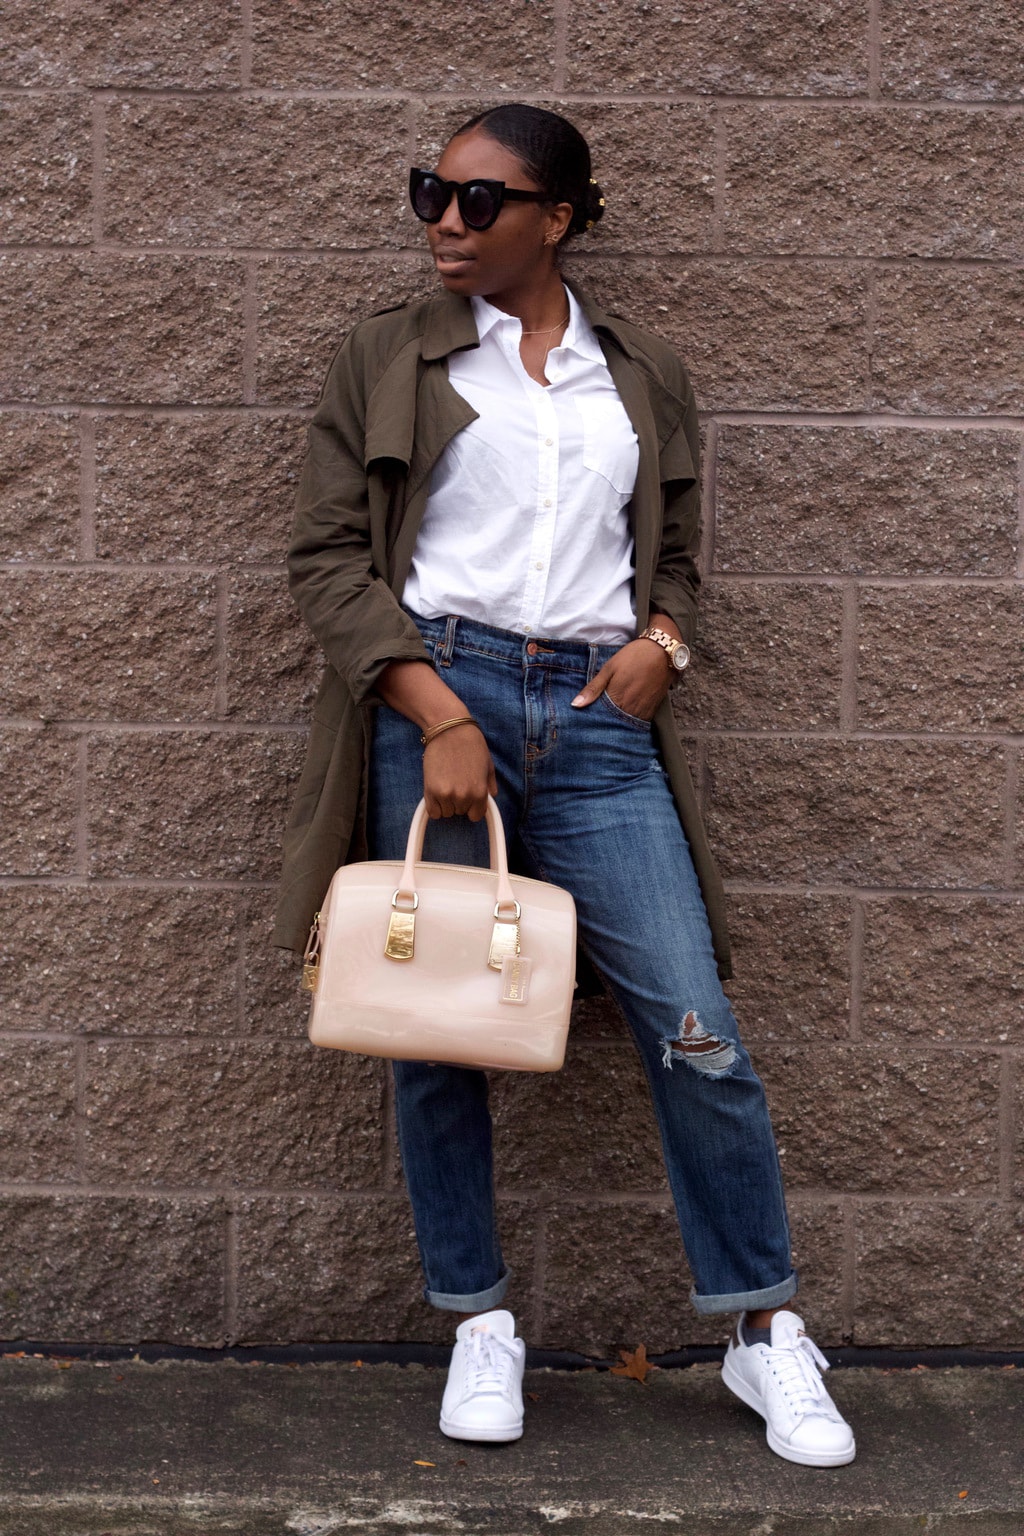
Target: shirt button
(539,565)
(549,442)
(527,628)
(548,502)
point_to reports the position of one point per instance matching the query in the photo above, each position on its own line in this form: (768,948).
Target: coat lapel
(645,503)
(416,393)
(655,413)
(413,411)
(664,406)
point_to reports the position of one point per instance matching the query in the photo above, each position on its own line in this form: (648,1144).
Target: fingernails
(578,700)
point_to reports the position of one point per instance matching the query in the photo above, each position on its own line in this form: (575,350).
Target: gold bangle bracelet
(446,725)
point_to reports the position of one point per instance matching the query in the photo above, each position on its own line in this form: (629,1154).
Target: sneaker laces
(797,1367)
(490,1360)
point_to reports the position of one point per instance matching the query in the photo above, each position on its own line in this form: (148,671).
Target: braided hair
(553,153)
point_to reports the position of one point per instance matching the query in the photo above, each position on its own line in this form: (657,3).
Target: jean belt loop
(592,666)
(451,624)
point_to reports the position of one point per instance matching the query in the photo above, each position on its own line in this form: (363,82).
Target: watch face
(681,657)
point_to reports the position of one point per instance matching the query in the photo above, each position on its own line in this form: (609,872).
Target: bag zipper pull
(311,958)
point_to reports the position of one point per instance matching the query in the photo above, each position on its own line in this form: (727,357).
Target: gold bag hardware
(311,958)
(504,937)
(401,940)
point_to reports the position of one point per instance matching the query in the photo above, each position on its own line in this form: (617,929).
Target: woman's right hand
(458,773)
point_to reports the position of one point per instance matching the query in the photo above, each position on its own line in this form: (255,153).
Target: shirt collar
(579,335)
(450,325)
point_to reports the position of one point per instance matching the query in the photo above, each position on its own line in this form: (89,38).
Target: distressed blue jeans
(586,803)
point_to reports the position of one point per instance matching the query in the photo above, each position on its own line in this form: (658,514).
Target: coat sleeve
(345,601)
(676,581)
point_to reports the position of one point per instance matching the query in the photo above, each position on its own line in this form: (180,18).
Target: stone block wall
(819,202)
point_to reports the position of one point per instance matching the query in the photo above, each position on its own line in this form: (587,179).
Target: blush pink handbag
(443,962)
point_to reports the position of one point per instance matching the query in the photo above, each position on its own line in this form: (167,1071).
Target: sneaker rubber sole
(490,1436)
(742,1389)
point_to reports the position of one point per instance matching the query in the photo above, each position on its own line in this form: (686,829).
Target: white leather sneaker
(781,1381)
(484,1396)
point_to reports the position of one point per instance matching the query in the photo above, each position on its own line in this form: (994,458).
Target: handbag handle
(499,857)
(401,939)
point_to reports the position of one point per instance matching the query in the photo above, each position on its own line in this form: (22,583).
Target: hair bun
(592,210)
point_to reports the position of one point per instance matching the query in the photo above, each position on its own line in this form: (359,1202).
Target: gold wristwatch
(678,654)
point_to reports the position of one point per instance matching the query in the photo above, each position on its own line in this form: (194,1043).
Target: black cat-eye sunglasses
(479,200)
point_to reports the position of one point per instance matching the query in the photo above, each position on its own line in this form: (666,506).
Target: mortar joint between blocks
(250,339)
(848,1294)
(246,45)
(86,487)
(561,45)
(230,1273)
(709,498)
(241,964)
(81,1060)
(1007,1124)
(874,50)
(220,707)
(848,656)
(1010,817)
(721,163)
(98,139)
(858,925)
(81,825)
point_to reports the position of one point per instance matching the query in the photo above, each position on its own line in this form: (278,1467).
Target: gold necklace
(550,328)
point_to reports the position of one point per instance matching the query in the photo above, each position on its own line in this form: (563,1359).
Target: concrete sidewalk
(126,1448)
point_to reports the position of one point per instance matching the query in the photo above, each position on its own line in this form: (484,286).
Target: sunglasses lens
(479,201)
(429,199)
(478,205)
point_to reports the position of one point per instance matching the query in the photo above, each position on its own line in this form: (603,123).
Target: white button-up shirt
(526,524)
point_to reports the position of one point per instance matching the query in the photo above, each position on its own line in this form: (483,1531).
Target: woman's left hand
(636,678)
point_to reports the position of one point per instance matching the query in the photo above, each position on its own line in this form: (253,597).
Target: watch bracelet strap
(660,636)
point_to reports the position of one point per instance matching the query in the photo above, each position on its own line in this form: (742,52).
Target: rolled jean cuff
(478,1301)
(746,1301)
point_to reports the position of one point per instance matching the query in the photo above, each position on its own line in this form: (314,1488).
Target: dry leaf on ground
(634,1363)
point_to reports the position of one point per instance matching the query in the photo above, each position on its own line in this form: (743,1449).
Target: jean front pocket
(636,721)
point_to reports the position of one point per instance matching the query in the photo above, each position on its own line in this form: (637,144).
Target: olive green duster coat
(386,412)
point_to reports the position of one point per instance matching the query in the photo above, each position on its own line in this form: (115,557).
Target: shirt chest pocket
(610,446)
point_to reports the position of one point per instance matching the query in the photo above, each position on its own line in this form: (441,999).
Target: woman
(495,546)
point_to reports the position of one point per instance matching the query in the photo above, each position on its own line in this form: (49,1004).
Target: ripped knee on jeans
(699,1048)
